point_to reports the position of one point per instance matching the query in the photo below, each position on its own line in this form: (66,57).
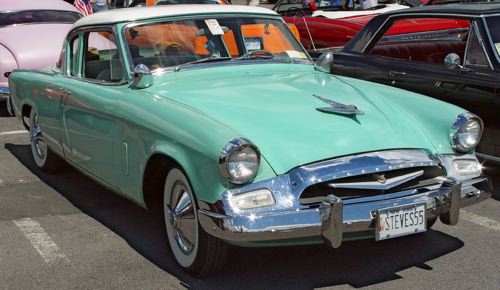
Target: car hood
(273,106)
(34,46)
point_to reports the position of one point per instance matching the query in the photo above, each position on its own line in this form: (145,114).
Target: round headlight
(468,134)
(239,161)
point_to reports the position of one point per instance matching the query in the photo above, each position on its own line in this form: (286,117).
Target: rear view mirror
(142,77)
(452,60)
(324,62)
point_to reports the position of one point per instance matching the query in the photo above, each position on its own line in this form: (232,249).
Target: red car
(328,24)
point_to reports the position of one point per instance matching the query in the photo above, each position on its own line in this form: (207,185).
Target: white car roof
(139,13)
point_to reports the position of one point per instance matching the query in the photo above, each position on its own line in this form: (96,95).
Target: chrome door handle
(397,73)
(64,91)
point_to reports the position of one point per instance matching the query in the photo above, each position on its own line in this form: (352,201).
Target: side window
(474,55)
(73,56)
(423,39)
(101,57)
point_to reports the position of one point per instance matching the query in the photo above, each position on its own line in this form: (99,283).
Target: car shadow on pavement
(356,263)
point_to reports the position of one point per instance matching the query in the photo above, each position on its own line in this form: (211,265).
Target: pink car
(31,35)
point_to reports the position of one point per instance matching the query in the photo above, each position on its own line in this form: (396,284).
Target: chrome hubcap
(37,139)
(182,219)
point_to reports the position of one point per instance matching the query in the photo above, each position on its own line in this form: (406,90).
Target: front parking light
(253,199)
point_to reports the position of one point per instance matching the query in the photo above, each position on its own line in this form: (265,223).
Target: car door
(92,90)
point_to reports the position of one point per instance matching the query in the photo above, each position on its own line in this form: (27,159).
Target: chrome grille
(414,180)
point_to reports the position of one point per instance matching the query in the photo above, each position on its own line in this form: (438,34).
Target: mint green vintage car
(216,116)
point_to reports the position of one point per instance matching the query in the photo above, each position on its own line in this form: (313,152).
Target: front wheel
(196,251)
(44,158)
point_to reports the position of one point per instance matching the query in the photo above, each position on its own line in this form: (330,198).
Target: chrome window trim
(80,31)
(488,34)
(480,39)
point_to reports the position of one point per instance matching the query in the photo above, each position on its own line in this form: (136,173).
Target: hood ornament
(338,108)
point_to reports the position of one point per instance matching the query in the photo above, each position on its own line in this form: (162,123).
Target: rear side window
(101,60)
(37,16)
(423,39)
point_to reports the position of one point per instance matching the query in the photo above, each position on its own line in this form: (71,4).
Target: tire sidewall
(174,176)
(39,161)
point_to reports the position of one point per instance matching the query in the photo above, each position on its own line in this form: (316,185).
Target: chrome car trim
(294,224)
(380,181)
(288,218)
(338,108)
(459,121)
(229,149)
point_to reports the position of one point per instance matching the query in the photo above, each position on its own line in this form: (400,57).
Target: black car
(447,52)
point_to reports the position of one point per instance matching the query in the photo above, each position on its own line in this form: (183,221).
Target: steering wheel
(258,53)
(294,12)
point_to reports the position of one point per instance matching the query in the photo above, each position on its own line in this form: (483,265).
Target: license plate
(253,44)
(400,221)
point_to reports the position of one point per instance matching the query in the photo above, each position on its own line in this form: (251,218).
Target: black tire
(197,252)
(43,157)
(431,222)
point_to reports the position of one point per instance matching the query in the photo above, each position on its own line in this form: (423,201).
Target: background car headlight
(239,161)
(469,129)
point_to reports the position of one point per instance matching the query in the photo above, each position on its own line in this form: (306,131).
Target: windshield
(493,23)
(173,43)
(37,16)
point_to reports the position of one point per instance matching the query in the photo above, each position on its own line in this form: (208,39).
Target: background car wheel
(431,222)
(196,251)
(44,158)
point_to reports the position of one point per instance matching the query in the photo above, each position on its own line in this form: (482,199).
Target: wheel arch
(153,181)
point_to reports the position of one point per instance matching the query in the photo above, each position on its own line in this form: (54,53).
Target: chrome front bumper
(333,218)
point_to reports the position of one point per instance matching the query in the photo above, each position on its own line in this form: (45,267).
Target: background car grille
(359,186)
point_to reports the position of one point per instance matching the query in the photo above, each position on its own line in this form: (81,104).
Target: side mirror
(142,77)
(324,62)
(452,60)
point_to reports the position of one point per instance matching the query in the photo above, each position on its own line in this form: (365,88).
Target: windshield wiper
(206,59)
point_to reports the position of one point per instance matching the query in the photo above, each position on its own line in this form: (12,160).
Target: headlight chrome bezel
(230,148)
(461,121)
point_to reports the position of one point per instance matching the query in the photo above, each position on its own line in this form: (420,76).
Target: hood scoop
(338,108)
